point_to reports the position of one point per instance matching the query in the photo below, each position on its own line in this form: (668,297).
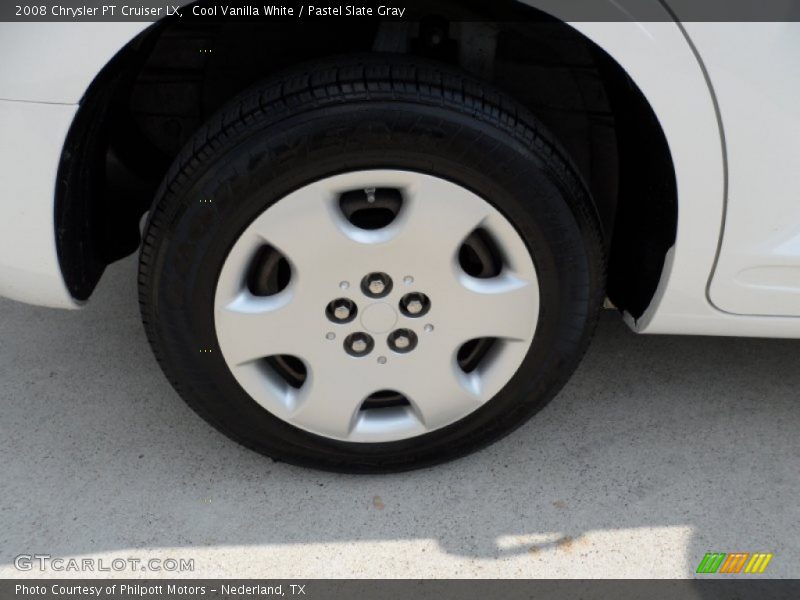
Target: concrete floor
(659,450)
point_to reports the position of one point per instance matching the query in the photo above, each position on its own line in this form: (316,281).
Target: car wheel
(372,265)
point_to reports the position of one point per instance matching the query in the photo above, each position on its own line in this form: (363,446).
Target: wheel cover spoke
(440,400)
(303,224)
(250,328)
(330,402)
(437,217)
(500,307)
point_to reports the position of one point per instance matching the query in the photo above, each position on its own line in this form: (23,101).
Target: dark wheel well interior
(165,83)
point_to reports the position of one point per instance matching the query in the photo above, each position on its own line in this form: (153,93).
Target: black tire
(364,113)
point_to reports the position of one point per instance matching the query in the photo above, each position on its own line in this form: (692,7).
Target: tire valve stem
(370,192)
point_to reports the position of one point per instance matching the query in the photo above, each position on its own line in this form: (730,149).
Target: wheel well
(147,102)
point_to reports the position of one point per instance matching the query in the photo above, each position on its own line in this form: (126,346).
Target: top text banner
(400,10)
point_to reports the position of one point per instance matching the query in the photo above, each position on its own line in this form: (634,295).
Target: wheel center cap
(378,318)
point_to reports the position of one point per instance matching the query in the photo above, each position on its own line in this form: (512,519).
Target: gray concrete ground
(660,449)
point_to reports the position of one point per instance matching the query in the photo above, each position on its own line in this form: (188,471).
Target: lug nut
(376,285)
(341,310)
(415,304)
(414,307)
(402,340)
(358,344)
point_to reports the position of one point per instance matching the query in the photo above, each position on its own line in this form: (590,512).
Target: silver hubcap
(374,310)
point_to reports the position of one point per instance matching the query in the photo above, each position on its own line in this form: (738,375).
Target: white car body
(720,91)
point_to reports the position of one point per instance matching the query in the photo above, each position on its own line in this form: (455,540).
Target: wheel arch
(646,63)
